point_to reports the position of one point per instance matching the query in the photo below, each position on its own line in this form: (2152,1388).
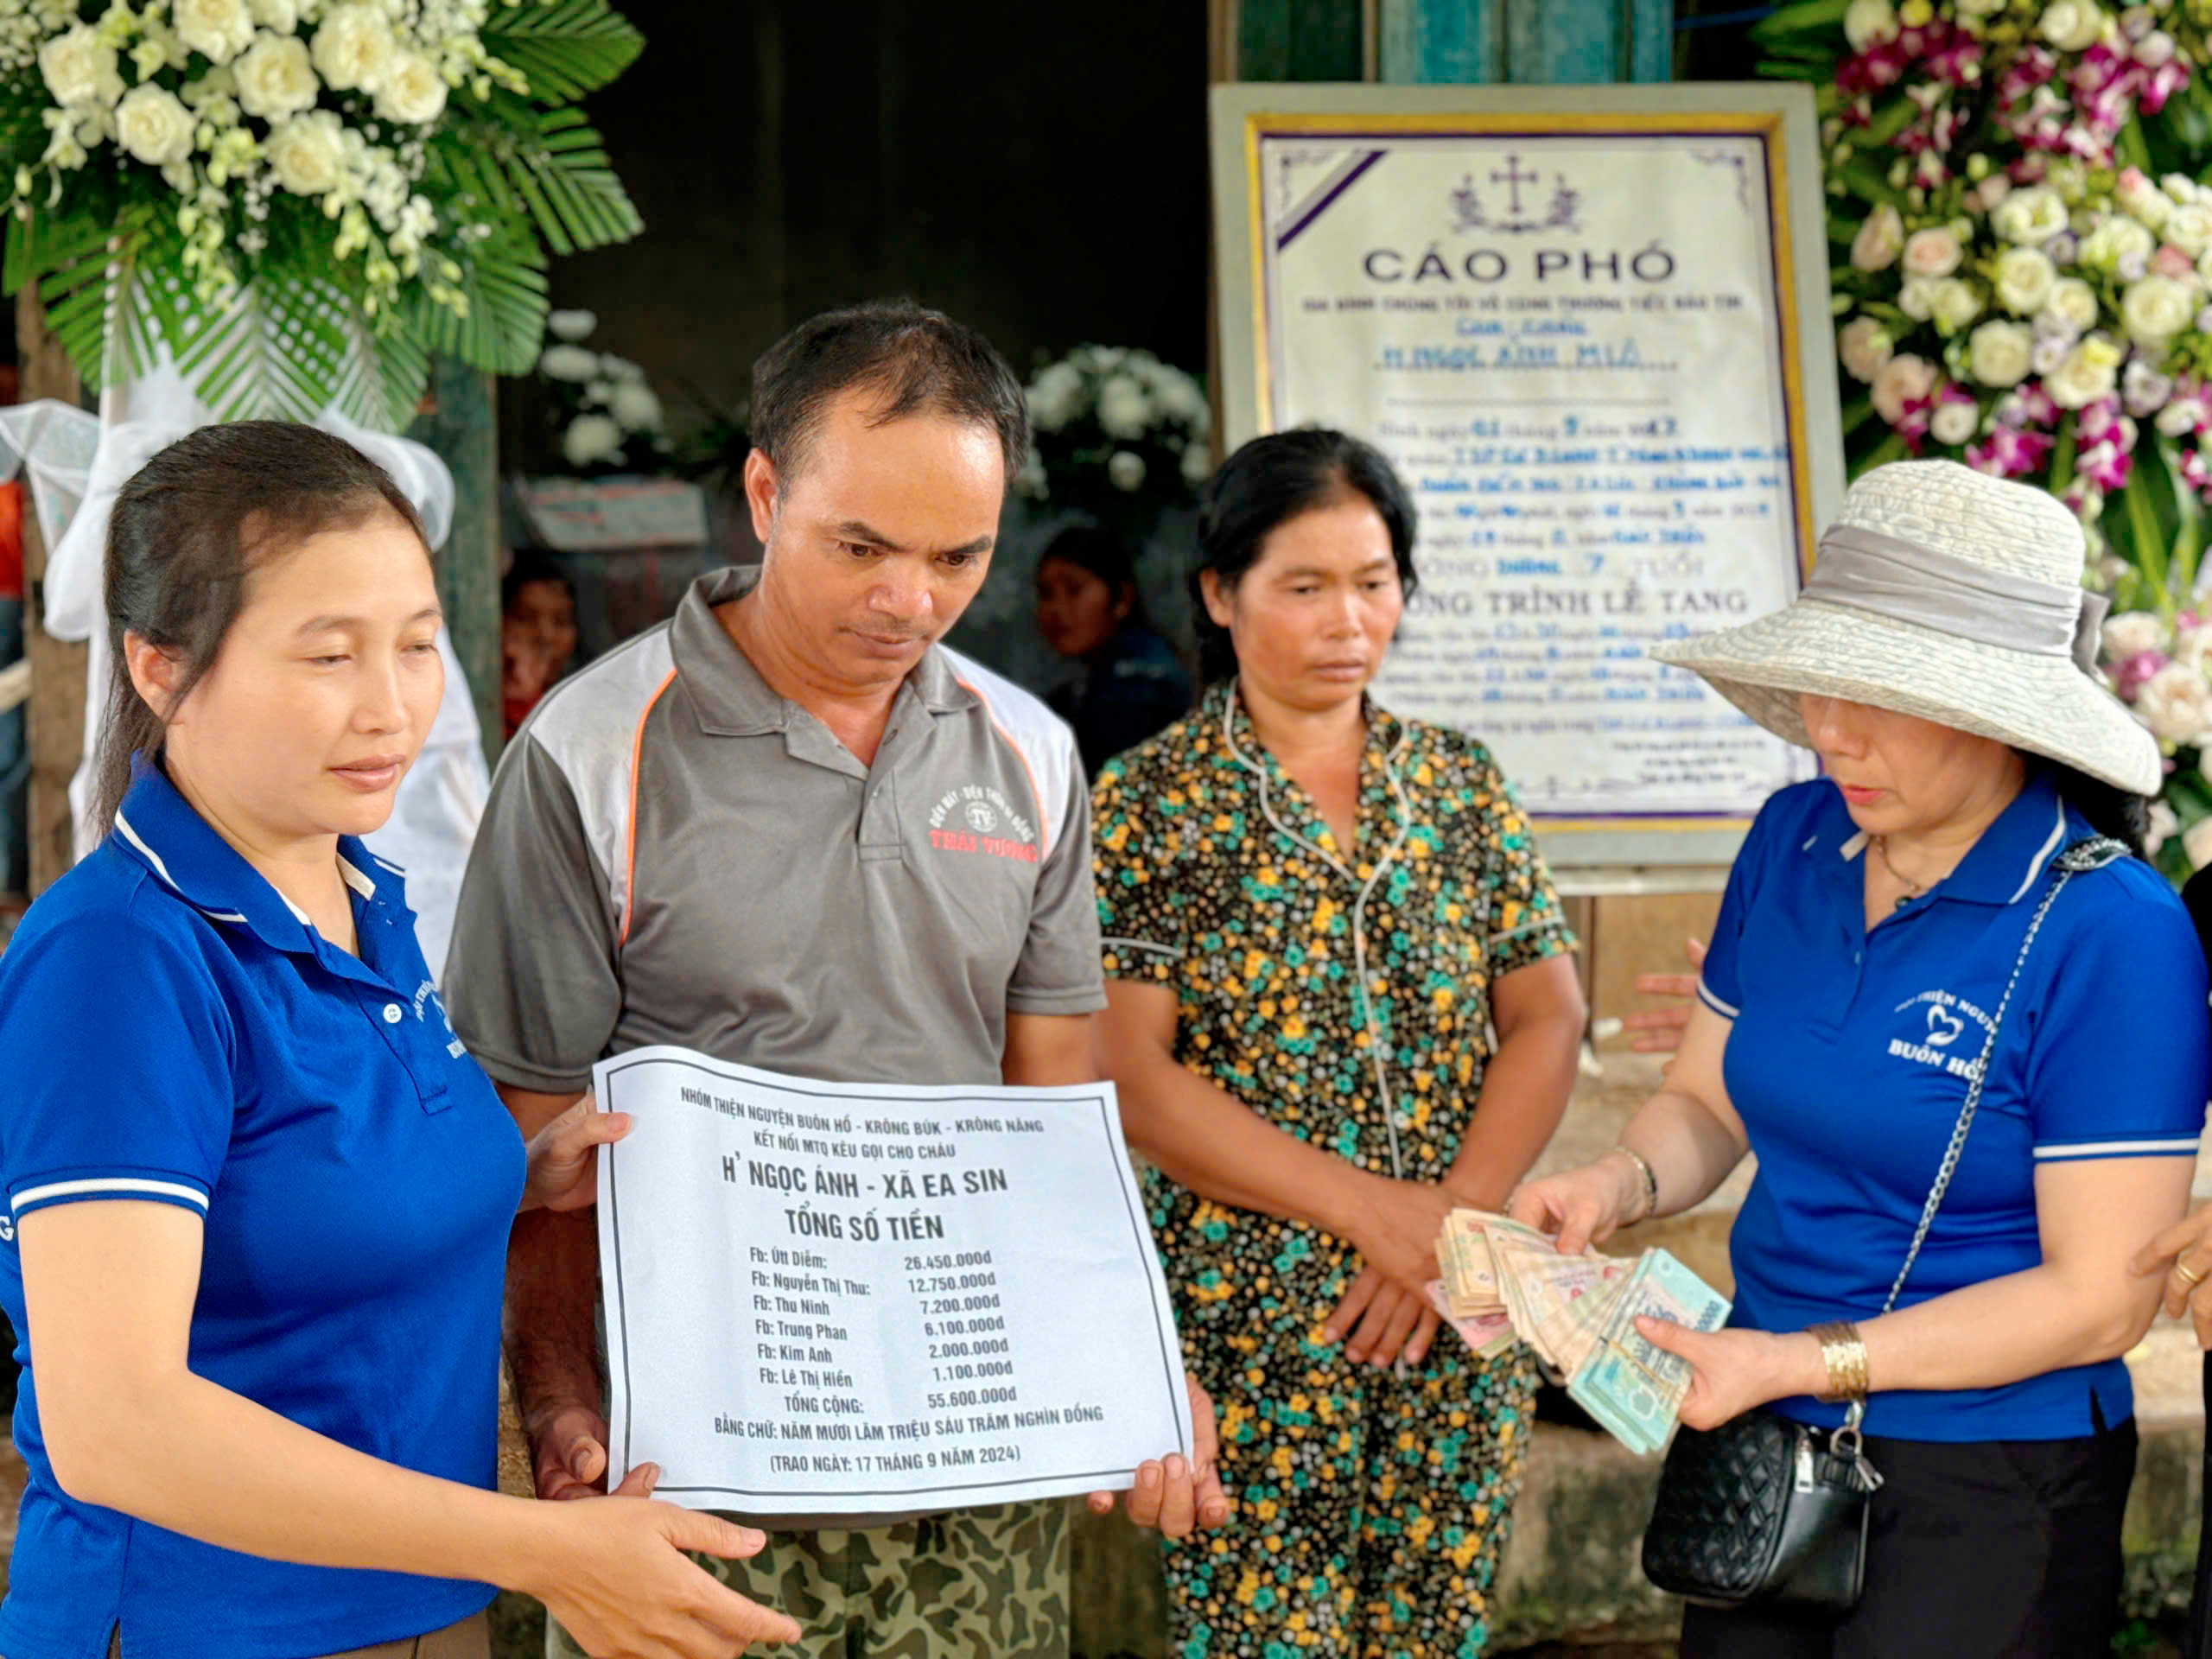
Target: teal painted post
(1540,42)
(462,424)
(1443,42)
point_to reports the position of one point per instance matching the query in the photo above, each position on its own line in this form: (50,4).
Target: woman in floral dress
(1342,1005)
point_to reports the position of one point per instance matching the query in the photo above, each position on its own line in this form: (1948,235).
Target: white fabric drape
(76,466)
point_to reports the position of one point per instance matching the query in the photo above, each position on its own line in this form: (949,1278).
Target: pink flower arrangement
(2015,295)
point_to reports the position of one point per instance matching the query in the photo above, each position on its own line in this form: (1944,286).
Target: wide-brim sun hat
(1945,593)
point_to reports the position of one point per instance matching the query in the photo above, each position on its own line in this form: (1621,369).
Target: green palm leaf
(379,380)
(276,350)
(566,47)
(47,241)
(504,281)
(386,372)
(1787,23)
(562,174)
(102,286)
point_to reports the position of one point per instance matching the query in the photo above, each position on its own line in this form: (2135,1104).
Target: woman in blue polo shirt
(259,1196)
(1871,926)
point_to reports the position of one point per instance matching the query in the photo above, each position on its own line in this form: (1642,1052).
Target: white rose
(571,326)
(1125,470)
(412,91)
(2176,703)
(78,70)
(1032,480)
(2180,416)
(1124,410)
(2197,843)
(281,16)
(2162,826)
(1056,397)
(1997,353)
(2190,229)
(2142,199)
(154,126)
(636,407)
(1954,424)
(1931,253)
(2024,279)
(591,439)
(1879,241)
(569,363)
(275,78)
(2157,308)
(354,48)
(218,29)
(1869,22)
(1917,299)
(2089,372)
(1180,396)
(2076,301)
(2131,634)
(307,153)
(1198,462)
(1864,345)
(1902,380)
(2071,25)
(2035,214)
(2115,239)
(1956,304)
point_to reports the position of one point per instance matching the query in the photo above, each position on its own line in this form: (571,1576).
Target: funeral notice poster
(1577,336)
(829,1299)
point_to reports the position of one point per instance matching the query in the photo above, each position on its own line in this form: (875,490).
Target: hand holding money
(1580,1313)
(1733,1371)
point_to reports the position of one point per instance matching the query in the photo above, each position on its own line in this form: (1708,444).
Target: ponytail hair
(2110,810)
(186,531)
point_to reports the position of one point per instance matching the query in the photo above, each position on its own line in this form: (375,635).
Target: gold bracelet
(1651,1182)
(1844,1352)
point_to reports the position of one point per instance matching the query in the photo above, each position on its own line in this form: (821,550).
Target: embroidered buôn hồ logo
(1937,1025)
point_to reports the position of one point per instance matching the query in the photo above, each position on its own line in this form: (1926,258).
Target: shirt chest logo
(426,995)
(979,819)
(1933,1029)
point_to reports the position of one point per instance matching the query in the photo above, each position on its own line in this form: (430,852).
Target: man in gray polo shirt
(791,829)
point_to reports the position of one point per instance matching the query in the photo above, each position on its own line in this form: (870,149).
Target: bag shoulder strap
(2092,852)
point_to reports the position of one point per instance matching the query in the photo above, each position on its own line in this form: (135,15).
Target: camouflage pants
(975,1584)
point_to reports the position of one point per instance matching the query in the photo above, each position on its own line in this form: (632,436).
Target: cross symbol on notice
(1513,179)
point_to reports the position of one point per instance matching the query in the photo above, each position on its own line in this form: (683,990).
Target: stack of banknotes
(1504,1281)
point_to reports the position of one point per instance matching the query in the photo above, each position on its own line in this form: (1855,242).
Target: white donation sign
(846,1298)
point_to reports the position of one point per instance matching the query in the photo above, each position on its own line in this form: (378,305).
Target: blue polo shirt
(175,1034)
(1848,1063)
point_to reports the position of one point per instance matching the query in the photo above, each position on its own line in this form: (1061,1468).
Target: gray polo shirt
(674,854)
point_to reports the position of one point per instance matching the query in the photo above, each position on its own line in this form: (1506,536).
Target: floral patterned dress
(1372,1508)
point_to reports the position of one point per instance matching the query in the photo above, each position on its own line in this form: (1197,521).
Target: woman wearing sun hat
(1873,952)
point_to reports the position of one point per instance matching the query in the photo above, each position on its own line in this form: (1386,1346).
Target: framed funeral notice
(1590,327)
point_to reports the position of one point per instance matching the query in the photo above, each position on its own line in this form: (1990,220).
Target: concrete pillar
(462,424)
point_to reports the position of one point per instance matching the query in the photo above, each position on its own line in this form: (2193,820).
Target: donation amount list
(838,1300)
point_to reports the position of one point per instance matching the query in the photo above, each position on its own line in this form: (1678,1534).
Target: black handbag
(1767,1512)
